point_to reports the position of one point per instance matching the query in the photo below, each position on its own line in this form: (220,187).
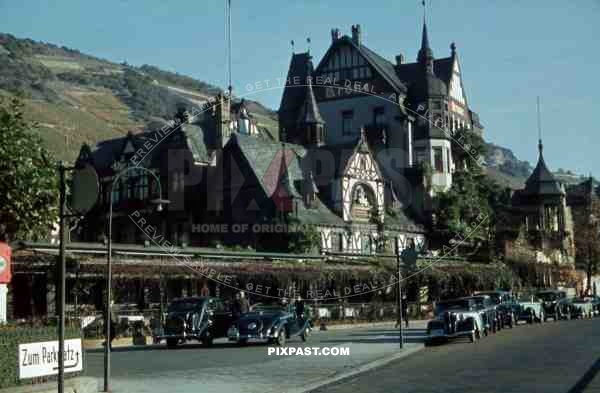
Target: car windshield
(452,305)
(185,305)
(267,308)
(495,297)
(547,296)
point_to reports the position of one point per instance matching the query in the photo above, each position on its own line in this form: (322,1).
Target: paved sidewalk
(369,347)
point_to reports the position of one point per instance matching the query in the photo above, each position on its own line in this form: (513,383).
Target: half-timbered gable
(362,187)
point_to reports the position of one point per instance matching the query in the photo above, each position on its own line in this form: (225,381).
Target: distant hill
(506,169)
(79,98)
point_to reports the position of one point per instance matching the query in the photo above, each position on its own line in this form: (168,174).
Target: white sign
(39,359)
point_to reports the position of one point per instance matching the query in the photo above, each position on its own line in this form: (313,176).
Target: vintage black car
(506,307)
(489,315)
(270,323)
(453,319)
(556,305)
(196,318)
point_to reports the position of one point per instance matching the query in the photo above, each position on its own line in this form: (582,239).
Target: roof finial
(308,44)
(539,124)
(230,87)
(292,43)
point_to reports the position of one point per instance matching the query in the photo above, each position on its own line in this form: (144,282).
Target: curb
(368,324)
(359,370)
(72,385)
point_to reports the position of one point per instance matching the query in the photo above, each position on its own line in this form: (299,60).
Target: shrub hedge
(13,335)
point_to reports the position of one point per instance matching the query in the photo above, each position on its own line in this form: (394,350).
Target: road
(225,367)
(553,357)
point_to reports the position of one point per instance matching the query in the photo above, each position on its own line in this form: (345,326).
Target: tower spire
(539,124)
(425,56)
(424,38)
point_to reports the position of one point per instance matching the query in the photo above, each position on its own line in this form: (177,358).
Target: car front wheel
(172,343)
(281,338)
(207,341)
(305,334)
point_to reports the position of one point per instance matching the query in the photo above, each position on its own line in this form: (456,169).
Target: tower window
(347,118)
(438,160)
(379,116)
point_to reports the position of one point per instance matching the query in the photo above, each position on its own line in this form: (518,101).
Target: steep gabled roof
(381,65)
(265,159)
(293,94)
(108,151)
(410,72)
(309,111)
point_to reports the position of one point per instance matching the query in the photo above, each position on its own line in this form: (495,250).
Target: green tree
(28,180)
(587,241)
(473,198)
(302,239)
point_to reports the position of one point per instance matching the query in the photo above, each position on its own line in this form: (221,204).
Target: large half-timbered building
(356,134)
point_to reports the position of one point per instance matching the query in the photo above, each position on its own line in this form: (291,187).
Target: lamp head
(159,203)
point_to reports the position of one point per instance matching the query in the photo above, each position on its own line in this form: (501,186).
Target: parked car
(583,307)
(271,323)
(531,309)
(489,314)
(196,318)
(596,304)
(506,307)
(453,319)
(556,304)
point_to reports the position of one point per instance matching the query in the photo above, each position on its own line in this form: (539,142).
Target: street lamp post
(107,322)
(399,263)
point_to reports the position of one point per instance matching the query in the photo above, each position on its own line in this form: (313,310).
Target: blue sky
(511,51)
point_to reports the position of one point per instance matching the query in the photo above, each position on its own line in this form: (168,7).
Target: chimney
(335,35)
(356,34)
(399,59)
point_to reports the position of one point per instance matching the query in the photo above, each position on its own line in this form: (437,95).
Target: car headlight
(252,326)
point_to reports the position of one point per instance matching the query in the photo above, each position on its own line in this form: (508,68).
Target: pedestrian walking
(244,303)
(112,321)
(205,291)
(299,308)
(236,306)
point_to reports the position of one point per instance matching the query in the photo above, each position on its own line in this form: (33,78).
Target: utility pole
(85,193)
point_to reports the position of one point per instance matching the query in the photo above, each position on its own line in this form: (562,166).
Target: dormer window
(347,119)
